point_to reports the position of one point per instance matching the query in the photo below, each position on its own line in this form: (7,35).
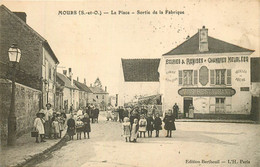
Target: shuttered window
(195,77)
(180,77)
(229,77)
(212,77)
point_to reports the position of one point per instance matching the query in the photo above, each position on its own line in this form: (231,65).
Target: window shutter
(195,77)
(180,77)
(212,77)
(229,77)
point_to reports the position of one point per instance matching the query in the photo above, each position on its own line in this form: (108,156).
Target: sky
(93,45)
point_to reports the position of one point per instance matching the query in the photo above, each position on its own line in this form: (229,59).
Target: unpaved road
(192,143)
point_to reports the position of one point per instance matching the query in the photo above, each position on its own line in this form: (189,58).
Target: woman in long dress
(126,129)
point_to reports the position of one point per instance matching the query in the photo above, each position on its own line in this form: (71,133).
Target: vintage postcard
(112,83)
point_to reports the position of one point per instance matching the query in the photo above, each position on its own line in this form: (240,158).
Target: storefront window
(187,77)
(220,77)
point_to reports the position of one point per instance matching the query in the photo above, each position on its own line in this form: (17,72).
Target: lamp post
(14,57)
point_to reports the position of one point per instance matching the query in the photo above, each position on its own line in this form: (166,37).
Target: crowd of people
(136,122)
(50,124)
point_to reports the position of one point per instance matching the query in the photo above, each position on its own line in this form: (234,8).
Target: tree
(98,83)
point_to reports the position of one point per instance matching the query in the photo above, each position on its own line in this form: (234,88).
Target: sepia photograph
(109,83)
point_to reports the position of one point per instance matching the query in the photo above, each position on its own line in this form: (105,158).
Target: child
(126,128)
(150,124)
(134,130)
(55,127)
(87,127)
(38,124)
(142,125)
(169,123)
(71,127)
(157,124)
(79,127)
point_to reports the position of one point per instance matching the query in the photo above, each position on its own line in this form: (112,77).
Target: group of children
(133,128)
(49,125)
(77,125)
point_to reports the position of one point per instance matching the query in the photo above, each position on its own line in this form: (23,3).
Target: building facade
(99,97)
(208,73)
(139,78)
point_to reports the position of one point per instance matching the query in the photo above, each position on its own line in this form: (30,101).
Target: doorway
(186,103)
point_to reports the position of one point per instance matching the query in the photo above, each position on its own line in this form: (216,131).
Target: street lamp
(14,57)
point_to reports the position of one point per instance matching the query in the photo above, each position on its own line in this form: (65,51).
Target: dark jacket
(71,127)
(86,122)
(157,123)
(169,122)
(150,123)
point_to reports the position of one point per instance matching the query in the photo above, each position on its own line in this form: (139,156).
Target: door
(186,103)
(220,105)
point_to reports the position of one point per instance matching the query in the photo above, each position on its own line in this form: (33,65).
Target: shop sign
(206,92)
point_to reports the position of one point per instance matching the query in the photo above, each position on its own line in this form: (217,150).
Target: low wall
(27,105)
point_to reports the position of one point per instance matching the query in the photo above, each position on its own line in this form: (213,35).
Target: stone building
(99,97)
(36,71)
(67,92)
(84,93)
(210,74)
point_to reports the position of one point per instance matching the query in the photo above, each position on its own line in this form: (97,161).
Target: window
(195,77)
(220,105)
(229,77)
(212,77)
(180,77)
(50,72)
(220,77)
(187,77)
(103,97)
(97,96)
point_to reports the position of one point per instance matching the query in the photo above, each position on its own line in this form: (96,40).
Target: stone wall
(27,105)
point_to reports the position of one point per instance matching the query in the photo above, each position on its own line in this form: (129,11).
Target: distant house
(84,93)
(99,97)
(139,78)
(67,92)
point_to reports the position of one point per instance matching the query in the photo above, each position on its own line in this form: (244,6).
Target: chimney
(21,15)
(71,76)
(90,85)
(65,72)
(85,81)
(203,40)
(78,79)
(105,89)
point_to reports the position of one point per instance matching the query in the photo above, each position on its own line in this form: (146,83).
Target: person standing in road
(176,110)
(142,125)
(86,128)
(48,120)
(134,130)
(126,129)
(169,123)
(157,124)
(71,127)
(150,122)
(38,125)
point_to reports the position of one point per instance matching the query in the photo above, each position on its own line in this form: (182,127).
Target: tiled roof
(45,42)
(66,81)
(97,90)
(82,86)
(255,68)
(140,70)
(191,46)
